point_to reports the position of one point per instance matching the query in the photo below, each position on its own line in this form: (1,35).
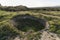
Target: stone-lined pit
(28,22)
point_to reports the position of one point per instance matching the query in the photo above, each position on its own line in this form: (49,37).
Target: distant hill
(14,8)
(24,8)
(56,8)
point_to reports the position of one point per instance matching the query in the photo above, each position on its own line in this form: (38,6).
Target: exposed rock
(17,38)
(49,36)
(44,36)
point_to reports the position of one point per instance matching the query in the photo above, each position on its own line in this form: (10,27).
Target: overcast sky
(30,3)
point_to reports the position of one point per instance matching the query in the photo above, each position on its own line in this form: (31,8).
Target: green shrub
(7,31)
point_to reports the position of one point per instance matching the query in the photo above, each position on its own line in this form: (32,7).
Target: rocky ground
(49,36)
(45,36)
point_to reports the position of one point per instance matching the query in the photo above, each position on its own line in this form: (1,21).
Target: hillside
(24,8)
(10,32)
